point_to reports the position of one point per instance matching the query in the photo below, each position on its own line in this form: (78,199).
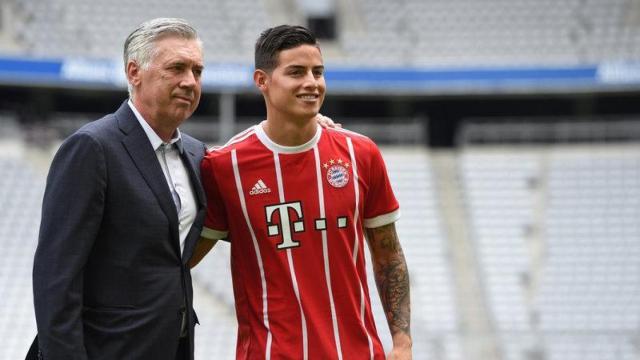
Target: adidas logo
(259,188)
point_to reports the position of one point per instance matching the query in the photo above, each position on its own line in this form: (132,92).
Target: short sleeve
(215,224)
(380,204)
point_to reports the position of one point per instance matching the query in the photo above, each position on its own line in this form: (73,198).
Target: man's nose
(310,80)
(189,80)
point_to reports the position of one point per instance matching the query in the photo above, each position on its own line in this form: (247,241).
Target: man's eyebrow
(184,62)
(176,62)
(294,67)
(297,67)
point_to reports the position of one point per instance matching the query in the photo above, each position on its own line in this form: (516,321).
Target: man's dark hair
(276,39)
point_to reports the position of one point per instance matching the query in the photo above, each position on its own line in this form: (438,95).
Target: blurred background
(511,131)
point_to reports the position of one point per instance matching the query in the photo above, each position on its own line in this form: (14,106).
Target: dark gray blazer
(108,279)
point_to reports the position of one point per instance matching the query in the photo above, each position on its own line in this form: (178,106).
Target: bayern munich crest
(337,172)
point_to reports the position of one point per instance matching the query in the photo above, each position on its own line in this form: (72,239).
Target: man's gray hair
(140,44)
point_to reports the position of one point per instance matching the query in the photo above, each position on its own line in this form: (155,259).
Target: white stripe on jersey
(363,324)
(356,242)
(325,253)
(294,279)
(238,138)
(243,204)
(356,188)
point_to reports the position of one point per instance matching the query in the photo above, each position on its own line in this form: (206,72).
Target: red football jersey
(295,219)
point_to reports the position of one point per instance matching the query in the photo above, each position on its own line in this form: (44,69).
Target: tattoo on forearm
(392,278)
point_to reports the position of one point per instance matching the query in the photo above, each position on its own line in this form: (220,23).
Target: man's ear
(260,78)
(133,73)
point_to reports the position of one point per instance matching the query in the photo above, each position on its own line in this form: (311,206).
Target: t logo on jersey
(285,226)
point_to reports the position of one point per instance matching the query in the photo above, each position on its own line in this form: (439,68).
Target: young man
(296,202)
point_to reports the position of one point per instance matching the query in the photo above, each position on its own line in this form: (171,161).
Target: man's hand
(401,347)
(326,122)
(400,354)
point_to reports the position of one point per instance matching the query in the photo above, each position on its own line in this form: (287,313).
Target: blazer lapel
(137,145)
(191,160)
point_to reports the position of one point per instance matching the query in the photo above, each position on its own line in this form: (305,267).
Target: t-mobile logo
(284,227)
(288,226)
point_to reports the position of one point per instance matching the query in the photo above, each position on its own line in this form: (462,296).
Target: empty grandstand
(371,32)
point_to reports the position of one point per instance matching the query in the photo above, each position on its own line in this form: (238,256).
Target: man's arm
(392,279)
(202,248)
(216,217)
(72,211)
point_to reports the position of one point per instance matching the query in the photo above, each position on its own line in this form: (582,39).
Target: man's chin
(181,115)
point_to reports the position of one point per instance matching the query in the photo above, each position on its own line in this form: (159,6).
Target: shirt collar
(155,140)
(271,145)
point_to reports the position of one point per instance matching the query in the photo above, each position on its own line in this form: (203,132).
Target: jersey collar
(264,139)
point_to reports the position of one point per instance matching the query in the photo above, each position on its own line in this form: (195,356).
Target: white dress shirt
(175,173)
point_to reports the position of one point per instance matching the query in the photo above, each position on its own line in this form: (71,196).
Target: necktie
(174,193)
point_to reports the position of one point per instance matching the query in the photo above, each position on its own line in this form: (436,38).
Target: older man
(122,211)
